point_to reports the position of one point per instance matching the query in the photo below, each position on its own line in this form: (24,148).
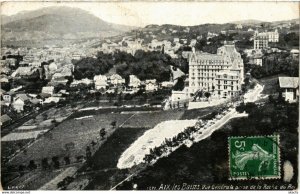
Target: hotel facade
(221,74)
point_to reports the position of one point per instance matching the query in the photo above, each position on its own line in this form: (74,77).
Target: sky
(180,13)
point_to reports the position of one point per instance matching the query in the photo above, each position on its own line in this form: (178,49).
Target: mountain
(57,22)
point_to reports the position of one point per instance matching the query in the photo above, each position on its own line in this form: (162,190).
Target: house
(151,85)
(63,92)
(289,88)
(22,96)
(84,81)
(26,72)
(210,35)
(52,67)
(295,53)
(256,59)
(116,79)
(51,99)
(58,78)
(4,79)
(176,40)
(180,95)
(5,119)
(48,90)
(134,82)
(100,82)
(7,96)
(167,84)
(239,26)
(223,32)
(193,42)
(18,104)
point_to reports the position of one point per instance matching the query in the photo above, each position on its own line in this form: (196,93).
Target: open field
(77,132)
(195,113)
(149,120)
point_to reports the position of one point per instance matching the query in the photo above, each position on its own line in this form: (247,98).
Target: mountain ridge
(57,21)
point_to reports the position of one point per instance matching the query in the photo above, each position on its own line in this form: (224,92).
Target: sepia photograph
(149,95)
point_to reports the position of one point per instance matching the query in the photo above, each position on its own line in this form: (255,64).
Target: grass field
(149,120)
(195,113)
(79,132)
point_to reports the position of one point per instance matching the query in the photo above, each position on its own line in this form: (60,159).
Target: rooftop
(288,82)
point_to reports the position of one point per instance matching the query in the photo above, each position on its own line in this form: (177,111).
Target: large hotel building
(221,74)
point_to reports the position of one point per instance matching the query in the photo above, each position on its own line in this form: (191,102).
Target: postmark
(254,157)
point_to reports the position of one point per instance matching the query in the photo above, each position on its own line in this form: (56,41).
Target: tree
(179,86)
(55,161)
(207,94)
(21,168)
(45,164)
(93,143)
(67,160)
(32,165)
(113,124)
(88,152)
(102,133)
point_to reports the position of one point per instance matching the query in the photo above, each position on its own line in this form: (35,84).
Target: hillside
(56,22)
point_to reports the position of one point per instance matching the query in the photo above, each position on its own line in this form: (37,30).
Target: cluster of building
(131,45)
(114,82)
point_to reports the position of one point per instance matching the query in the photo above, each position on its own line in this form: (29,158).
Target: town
(84,115)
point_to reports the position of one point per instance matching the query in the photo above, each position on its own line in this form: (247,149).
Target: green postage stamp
(255,157)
